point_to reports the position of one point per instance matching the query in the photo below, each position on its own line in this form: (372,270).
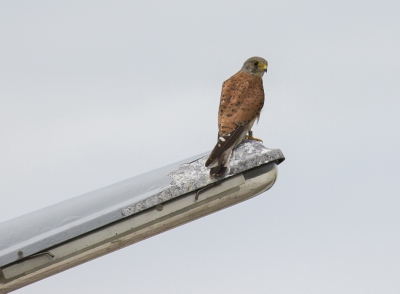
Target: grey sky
(95,92)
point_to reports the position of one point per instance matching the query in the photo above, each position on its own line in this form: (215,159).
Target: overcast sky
(94,92)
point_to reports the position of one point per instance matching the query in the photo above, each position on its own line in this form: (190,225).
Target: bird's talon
(253,138)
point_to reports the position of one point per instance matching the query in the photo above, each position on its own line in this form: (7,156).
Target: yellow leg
(250,137)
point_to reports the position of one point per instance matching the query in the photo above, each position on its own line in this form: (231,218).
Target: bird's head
(255,65)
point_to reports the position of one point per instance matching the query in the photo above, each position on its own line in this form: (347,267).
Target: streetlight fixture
(50,240)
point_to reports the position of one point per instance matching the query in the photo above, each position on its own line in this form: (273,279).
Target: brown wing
(242,99)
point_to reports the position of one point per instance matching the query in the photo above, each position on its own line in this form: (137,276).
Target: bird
(242,98)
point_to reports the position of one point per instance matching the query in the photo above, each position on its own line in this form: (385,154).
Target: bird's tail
(218,170)
(218,164)
(218,159)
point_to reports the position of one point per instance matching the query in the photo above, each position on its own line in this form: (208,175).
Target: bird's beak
(265,67)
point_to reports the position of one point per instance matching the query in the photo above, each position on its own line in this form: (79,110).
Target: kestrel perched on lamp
(242,98)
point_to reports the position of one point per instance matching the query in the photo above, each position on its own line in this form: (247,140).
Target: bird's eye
(256,63)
